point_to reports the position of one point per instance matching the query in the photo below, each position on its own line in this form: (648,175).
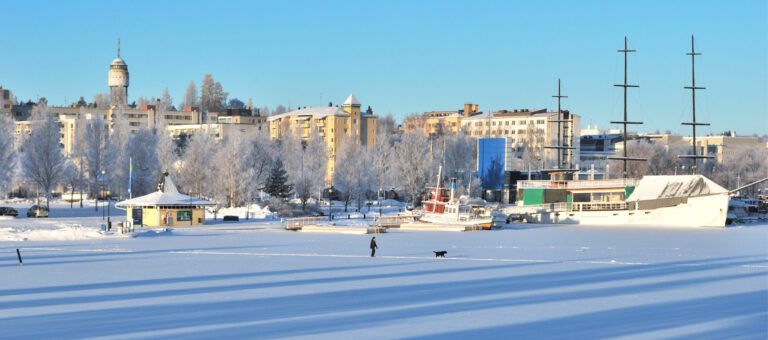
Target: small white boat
(442,211)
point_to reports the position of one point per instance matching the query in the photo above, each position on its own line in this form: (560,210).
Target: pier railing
(565,207)
(297,223)
(392,221)
(585,184)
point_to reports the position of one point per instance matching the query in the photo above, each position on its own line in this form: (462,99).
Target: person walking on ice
(373,246)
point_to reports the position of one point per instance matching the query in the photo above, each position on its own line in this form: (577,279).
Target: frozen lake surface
(251,280)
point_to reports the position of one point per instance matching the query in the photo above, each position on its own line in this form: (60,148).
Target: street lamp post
(103,213)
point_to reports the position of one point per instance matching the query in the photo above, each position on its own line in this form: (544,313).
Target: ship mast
(560,141)
(625,122)
(695,157)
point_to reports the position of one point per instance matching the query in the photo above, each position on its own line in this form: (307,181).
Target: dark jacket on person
(373,244)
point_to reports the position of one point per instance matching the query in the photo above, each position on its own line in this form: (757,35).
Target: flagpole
(130,177)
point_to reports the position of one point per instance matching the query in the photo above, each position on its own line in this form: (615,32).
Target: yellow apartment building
(436,123)
(331,123)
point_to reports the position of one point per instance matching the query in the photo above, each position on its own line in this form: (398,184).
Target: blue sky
(406,56)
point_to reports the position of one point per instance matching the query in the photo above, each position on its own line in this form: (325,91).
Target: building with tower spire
(331,123)
(118,81)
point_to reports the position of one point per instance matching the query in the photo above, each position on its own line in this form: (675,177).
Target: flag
(130,177)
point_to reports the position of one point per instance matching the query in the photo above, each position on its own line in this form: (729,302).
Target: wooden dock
(343,230)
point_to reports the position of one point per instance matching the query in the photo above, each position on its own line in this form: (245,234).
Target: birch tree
(118,158)
(146,168)
(231,170)
(7,153)
(43,162)
(381,162)
(197,166)
(167,154)
(260,159)
(92,149)
(460,157)
(306,164)
(414,164)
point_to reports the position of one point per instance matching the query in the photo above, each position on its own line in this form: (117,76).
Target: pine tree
(277,183)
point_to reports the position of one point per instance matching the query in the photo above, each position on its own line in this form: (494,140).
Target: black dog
(440,253)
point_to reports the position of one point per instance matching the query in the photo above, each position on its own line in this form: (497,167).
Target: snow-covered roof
(656,187)
(351,100)
(314,112)
(168,196)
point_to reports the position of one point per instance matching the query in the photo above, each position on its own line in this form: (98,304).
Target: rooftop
(167,196)
(314,112)
(351,100)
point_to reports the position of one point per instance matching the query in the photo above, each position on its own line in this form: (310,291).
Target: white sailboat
(680,200)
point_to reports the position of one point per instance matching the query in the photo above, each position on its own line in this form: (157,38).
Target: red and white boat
(444,212)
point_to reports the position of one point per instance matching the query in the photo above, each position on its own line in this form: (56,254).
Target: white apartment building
(532,129)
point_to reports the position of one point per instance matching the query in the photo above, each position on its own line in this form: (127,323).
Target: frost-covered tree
(280,109)
(141,101)
(92,149)
(231,170)
(386,125)
(533,146)
(190,96)
(166,102)
(460,157)
(146,168)
(43,162)
(219,97)
(353,174)
(414,164)
(306,163)
(249,105)
(659,159)
(197,168)
(7,153)
(382,158)
(260,159)
(101,100)
(73,179)
(206,93)
(167,153)
(738,168)
(212,95)
(118,159)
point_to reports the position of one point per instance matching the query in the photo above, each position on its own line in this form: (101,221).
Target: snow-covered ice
(252,280)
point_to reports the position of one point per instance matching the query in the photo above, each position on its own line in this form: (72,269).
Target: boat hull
(698,211)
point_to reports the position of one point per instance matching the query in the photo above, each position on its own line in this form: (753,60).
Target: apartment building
(331,123)
(532,130)
(437,123)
